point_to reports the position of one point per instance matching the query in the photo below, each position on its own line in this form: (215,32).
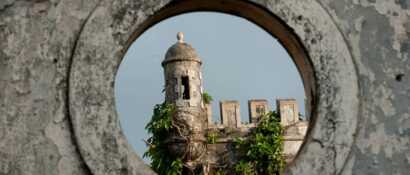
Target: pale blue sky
(240,62)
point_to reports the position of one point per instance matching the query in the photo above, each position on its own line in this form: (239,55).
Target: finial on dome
(180,37)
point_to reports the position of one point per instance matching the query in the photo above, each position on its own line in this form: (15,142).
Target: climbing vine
(262,151)
(161,123)
(206,98)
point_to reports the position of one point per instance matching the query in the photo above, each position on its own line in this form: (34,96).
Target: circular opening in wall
(331,89)
(245,70)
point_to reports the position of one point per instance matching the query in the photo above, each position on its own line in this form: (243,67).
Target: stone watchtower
(183,88)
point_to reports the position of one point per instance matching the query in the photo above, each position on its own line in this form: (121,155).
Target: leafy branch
(263,150)
(160,125)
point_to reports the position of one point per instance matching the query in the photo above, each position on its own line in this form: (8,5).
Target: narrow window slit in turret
(185,88)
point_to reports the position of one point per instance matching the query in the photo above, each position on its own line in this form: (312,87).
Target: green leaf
(206,98)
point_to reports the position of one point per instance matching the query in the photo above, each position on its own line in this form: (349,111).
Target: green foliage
(211,137)
(262,151)
(161,119)
(245,168)
(159,127)
(207,98)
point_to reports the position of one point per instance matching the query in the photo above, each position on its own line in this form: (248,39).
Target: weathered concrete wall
(37,41)
(378,35)
(47,45)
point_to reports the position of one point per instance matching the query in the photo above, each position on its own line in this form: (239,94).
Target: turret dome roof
(181,51)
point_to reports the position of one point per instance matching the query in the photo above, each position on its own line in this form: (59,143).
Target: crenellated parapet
(230,115)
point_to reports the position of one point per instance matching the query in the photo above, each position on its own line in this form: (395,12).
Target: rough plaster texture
(58,60)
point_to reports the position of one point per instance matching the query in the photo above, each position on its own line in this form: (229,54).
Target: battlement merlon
(230,113)
(288,111)
(257,108)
